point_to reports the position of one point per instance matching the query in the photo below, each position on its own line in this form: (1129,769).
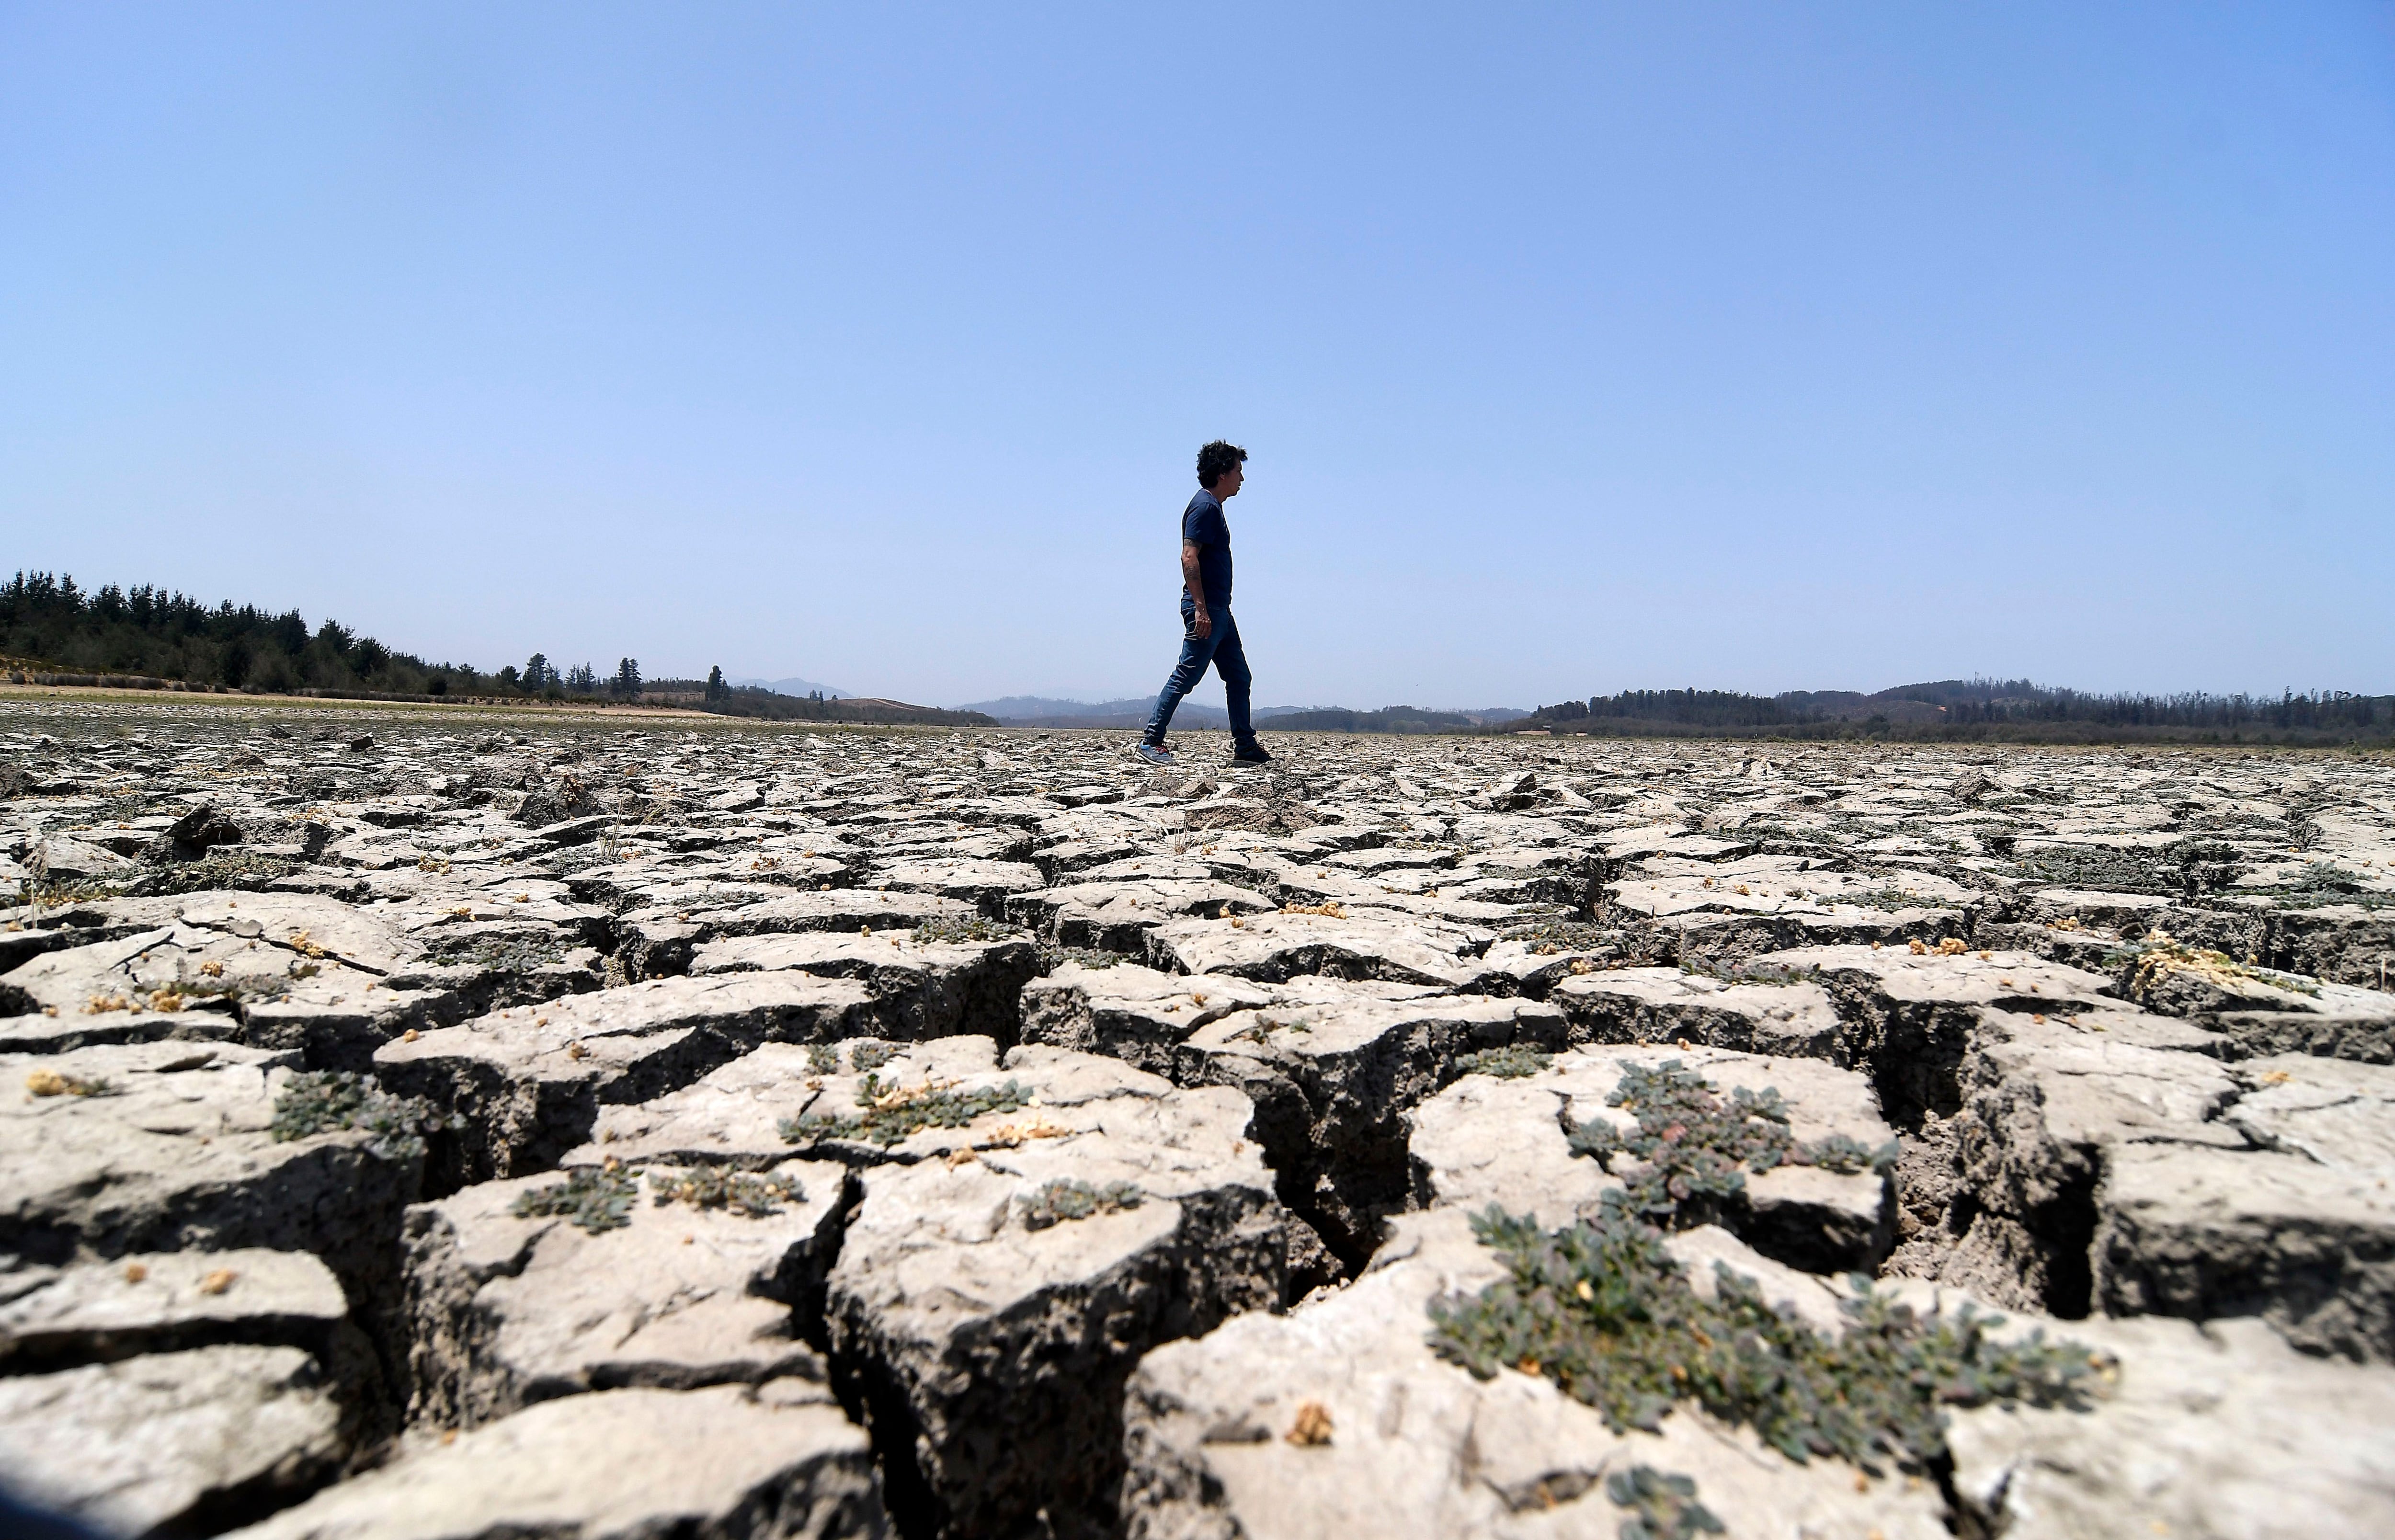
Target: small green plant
(320,1101)
(49,1083)
(247,872)
(2160,957)
(1264,1027)
(1752,973)
(498,953)
(1891,899)
(1053,958)
(2292,898)
(1847,1155)
(597,1197)
(2204,866)
(39,898)
(1065,1199)
(253,986)
(1514,1061)
(888,1115)
(1690,1144)
(870,1056)
(940,930)
(1694,1149)
(741,1192)
(1548,937)
(2187,870)
(822,1059)
(1662,1506)
(1602,1310)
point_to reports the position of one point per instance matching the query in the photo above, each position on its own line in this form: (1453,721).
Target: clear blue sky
(1751,346)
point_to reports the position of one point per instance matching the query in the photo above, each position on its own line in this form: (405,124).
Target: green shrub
(1603,1310)
(1694,1149)
(1663,1506)
(1847,1155)
(49,1083)
(1752,972)
(499,953)
(741,1192)
(1892,900)
(1547,937)
(245,871)
(1514,1061)
(597,1197)
(889,1115)
(1053,958)
(320,1101)
(2158,957)
(939,932)
(1690,1144)
(1067,1198)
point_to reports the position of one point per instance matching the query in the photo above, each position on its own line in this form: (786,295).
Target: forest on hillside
(160,633)
(155,633)
(2012,710)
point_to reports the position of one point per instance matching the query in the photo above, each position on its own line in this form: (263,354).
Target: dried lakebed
(421,1127)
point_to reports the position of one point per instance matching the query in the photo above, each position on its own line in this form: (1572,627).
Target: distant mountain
(1130,711)
(801,687)
(774,706)
(1049,706)
(1388,718)
(1133,711)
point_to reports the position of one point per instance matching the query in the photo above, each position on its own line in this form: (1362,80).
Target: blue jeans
(1222,649)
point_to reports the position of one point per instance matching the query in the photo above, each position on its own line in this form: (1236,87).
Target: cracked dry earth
(450,1126)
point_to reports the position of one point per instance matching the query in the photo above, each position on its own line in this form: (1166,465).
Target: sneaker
(1155,753)
(1251,753)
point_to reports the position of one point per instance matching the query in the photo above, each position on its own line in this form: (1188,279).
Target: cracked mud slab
(1416,1445)
(2128,1012)
(510,1307)
(1489,1139)
(734,1461)
(988,1317)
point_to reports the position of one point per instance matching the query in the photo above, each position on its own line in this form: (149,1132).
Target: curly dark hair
(1216,458)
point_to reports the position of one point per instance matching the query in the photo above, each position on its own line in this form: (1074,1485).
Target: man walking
(1208,633)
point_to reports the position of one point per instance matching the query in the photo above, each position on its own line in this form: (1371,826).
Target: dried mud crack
(456,1126)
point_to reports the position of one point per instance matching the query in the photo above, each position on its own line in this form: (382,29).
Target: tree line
(155,633)
(2015,710)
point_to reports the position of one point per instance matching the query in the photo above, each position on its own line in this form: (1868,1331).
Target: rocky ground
(420,1125)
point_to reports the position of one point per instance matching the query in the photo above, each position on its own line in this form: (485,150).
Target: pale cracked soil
(439,1125)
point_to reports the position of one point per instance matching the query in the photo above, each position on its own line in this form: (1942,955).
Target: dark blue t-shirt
(1202,524)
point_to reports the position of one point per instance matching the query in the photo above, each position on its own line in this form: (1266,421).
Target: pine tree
(716,688)
(537,675)
(627,677)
